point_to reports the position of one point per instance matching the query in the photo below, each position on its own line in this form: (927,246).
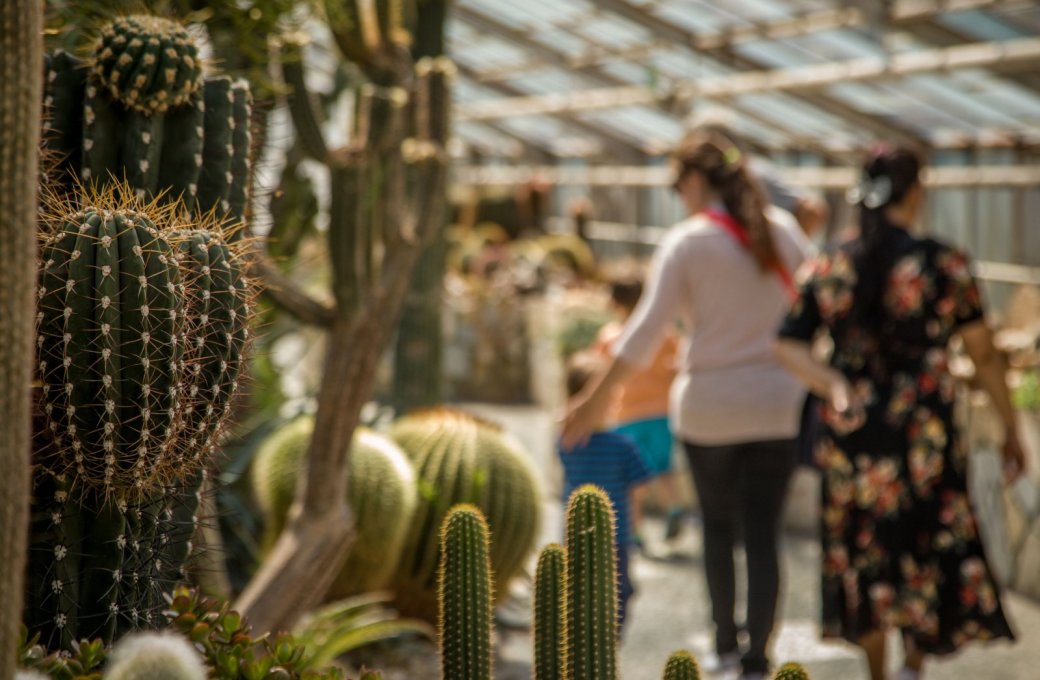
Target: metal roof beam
(903,13)
(616,145)
(485,23)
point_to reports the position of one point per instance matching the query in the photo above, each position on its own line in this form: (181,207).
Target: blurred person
(724,273)
(610,461)
(640,411)
(900,543)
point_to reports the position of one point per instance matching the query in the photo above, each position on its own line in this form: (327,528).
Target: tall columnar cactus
(681,666)
(550,614)
(139,335)
(21,50)
(381,491)
(592,618)
(461,459)
(791,671)
(464,596)
(138,109)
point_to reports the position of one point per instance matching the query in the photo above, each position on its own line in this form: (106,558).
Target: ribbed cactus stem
(238,194)
(550,614)
(65,87)
(592,618)
(156,656)
(791,671)
(464,595)
(681,666)
(182,141)
(218,146)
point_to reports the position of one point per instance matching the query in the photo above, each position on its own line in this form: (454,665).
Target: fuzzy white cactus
(154,656)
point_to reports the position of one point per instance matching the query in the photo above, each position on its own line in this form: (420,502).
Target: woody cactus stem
(681,666)
(21,59)
(550,614)
(464,596)
(592,580)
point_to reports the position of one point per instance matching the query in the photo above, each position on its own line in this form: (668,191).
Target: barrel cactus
(125,326)
(592,616)
(381,491)
(550,614)
(464,594)
(462,459)
(681,666)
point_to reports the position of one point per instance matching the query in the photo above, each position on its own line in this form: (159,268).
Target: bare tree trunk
(21,76)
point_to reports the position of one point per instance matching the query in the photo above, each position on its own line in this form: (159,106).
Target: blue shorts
(654,441)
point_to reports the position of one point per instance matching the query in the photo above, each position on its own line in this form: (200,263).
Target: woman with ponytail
(900,544)
(724,275)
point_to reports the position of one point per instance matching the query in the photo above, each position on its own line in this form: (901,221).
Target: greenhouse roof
(583,78)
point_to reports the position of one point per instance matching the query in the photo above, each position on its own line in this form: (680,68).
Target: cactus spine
(460,459)
(464,596)
(592,617)
(681,666)
(381,491)
(550,614)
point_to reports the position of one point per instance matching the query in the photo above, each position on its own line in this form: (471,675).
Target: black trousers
(743,484)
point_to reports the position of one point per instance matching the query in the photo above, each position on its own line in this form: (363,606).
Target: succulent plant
(682,666)
(138,337)
(550,614)
(791,671)
(146,63)
(464,596)
(592,604)
(462,459)
(154,656)
(381,492)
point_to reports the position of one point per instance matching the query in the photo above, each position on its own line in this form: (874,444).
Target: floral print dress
(900,543)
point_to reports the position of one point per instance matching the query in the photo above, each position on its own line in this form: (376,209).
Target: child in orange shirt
(640,410)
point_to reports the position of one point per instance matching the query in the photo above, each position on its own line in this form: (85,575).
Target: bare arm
(991,372)
(588,408)
(796,356)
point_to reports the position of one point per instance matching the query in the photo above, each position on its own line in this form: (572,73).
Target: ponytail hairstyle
(888,176)
(718,158)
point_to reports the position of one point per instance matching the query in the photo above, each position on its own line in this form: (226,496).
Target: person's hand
(845,409)
(1014,456)
(580,421)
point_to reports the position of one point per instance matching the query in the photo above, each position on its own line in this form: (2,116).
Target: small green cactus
(592,607)
(146,63)
(791,671)
(462,459)
(464,596)
(154,656)
(550,614)
(681,666)
(381,491)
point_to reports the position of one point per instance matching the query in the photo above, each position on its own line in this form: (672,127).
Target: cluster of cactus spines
(110,318)
(156,656)
(381,490)
(550,614)
(682,666)
(464,596)
(791,671)
(139,110)
(146,63)
(592,616)
(141,324)
(461,459)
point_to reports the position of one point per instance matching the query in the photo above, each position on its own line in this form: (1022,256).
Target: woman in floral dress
(900,544)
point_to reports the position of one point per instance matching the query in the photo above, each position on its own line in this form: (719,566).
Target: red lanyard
(726,222)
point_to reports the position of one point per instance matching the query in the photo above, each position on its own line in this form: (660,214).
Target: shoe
(673,524)
(907,674)
(720,663)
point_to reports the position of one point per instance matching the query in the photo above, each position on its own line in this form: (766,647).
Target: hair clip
(731,155)
(871,192)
